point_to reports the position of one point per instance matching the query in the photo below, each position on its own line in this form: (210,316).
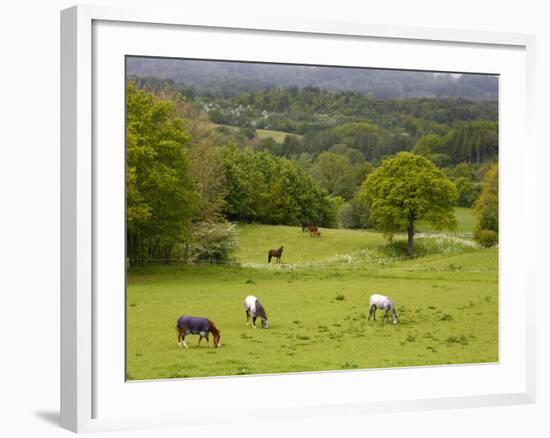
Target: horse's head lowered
(217,340)
(261,313)
(215,334)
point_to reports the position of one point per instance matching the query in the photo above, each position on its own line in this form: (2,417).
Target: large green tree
(161,198)
(405,189)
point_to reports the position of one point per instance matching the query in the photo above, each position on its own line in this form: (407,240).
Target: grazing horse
(196,326)
(253,308)
(277,253)
(385,303)
(317,233)
(312,229)
(305,225)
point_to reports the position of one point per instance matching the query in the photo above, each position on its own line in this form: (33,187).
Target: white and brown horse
(253,308)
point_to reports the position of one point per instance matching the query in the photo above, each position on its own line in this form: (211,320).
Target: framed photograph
(322,215)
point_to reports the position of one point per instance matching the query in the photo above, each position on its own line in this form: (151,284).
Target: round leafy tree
(405,189)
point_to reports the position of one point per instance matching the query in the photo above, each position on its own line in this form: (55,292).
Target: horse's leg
(385,318)
(254,321)
(179,338)
(374,311)
(184,343)
(247,316)
(370,312)
(199,343)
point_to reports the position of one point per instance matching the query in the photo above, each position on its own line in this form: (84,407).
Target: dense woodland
(198,161)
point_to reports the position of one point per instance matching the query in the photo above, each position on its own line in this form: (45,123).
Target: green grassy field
(465,219)
(317,304)
(278,136)
(300,248)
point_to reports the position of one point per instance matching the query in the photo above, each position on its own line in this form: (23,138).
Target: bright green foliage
(273,190)
(467,191)
(161,199)
(486,206)
(405,189)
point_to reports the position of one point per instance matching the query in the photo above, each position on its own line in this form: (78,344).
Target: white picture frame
(92,382)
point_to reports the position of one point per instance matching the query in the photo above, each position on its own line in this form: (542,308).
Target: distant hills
(233,78)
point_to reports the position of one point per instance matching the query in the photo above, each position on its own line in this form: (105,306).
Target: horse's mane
(213,328)
(260,310)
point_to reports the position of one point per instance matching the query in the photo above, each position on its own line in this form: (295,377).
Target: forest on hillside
(199,160)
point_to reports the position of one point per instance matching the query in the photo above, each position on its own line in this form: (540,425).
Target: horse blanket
(195,325)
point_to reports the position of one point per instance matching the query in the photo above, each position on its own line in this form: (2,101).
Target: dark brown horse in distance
(313,231)
(277,253)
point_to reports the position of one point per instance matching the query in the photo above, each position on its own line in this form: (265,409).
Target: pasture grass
(465,219)
(447,305)
(278,136)
(299,247)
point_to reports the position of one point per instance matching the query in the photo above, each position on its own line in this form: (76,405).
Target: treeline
(312,109)
(183,190)
(449,131)
(473,142)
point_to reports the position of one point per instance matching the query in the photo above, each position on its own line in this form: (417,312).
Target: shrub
(486,238)
(212,242)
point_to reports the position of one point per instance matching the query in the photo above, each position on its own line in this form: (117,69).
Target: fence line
(329,263)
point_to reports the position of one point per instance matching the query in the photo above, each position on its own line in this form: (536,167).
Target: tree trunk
(410,235)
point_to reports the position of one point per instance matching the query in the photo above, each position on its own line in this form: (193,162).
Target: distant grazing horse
(253,308)
(317,233)
(305,225)
(384,303)
(196,326)
(277,253)
(312,229)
